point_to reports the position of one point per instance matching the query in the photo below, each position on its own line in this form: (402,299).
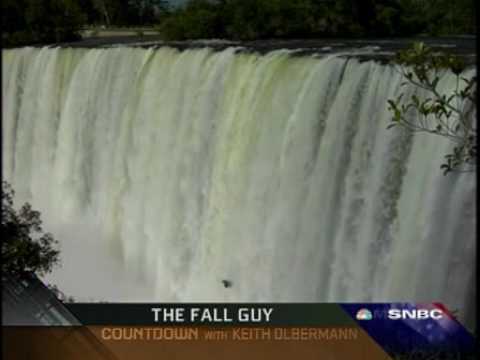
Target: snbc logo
(418,314)
(364,314)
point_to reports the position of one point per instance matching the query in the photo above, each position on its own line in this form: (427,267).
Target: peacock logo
(364,314)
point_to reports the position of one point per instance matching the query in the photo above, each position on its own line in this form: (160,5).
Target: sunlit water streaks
(180,169)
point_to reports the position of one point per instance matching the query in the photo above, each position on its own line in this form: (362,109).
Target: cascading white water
(275,172)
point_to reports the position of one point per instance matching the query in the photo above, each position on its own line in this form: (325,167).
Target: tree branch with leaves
(25,246)
(449,115)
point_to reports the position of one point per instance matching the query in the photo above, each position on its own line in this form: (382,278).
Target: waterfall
(276,172)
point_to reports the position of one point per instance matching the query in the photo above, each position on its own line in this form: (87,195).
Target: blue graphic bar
(413,327)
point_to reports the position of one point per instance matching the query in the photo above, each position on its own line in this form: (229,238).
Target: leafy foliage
(199,19)
(451,116)
(28,22)
(257,19)
(265,19)
(25,247)
(44,21)
(41,21)
(450,17)
(125,12)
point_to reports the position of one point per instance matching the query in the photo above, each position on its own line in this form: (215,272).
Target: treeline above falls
(274,172)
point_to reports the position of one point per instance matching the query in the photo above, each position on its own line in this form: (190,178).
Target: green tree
(107,8)
(25,246)
(449,115)
(445,17)
(145,11)
(413,17)
(265,19)
(12,16)
(41,21)
(54,20)
(196,20)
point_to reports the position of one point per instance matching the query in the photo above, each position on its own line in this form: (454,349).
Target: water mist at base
(163,172)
